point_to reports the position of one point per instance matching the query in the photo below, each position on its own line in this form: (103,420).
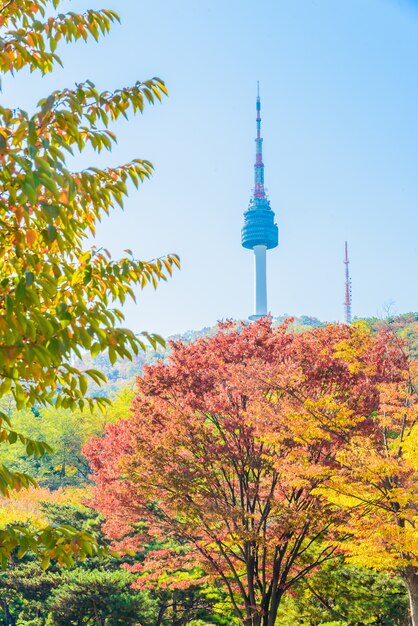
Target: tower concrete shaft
(348,296)
(260,281)
(260,233)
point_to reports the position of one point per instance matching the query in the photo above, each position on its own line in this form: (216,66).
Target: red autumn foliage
(227,446)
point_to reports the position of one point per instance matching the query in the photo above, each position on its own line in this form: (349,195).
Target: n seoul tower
(259,233)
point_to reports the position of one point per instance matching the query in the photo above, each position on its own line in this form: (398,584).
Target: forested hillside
(122,373)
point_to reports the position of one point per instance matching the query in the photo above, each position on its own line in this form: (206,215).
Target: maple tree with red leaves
(226,449)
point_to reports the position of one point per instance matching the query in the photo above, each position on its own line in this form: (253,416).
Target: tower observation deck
(259,233)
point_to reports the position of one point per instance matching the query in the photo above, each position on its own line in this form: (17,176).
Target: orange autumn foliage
(227,448)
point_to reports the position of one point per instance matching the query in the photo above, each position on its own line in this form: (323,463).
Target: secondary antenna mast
(347,301)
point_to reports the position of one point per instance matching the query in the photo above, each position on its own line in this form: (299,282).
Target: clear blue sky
(339,83)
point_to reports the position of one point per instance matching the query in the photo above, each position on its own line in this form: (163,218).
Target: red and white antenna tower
(347,300)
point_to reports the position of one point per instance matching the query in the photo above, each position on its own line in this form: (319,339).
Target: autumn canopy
(229,451)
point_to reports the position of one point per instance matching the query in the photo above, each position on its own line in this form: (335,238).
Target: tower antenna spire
(259,191)
(348,296)
(260,233)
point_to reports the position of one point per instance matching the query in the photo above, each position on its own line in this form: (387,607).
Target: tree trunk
(161,613)
(274,607)
(8,617)
(267,617)
(174,599)
(253,619)
(410,576)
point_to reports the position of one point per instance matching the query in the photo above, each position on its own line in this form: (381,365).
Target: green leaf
(52,233)
(12,437)
(30,277)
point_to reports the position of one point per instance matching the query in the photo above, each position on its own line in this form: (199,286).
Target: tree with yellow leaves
(58,297)
(376,482)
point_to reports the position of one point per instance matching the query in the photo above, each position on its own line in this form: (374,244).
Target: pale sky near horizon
(339,88)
